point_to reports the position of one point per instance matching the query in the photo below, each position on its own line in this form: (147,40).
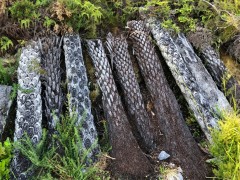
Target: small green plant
(5,43)
(7,72)
(5,158)
(174,14)
(222,17)
(169,171)
(161,8)
(25,11)
(64,157)
(185,10)
(13,94)
(225,147)
(78,15)
(36,67)
(169,24)
(48,22)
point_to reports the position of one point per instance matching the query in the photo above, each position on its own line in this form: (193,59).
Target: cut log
(79,100)
(29,106)
(196,84)
(216,68)
(234,48)
(50,48)
(177,137)
(128,160)
(5,104)
(118,49)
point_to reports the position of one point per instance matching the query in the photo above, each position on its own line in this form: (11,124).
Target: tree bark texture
(219,72)
(29,105)
(195,82)
(79,93)
(234,48)
(5,104)
(118,49)
(177,138)
(50,57)
(129,159)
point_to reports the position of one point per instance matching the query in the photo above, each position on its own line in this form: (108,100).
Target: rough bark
(128,158)
(195,82)
(29,106)
(118,49)
(50,57)
(216,68)
(234,48)
(79,93)
(5,104)
(177,138)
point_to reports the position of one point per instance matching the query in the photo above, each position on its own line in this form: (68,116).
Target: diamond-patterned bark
(129,159)
(177,139)
(118,49)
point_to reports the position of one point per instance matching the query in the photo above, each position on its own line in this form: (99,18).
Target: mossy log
(216,68)
(29,106)
(128,160)
(177,139)
(5,104)
(118,49)
(50,48)
(196,84)
(79,101)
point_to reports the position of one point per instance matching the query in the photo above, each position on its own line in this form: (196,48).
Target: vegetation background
(22,20)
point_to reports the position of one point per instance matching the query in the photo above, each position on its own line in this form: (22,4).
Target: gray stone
(163,155)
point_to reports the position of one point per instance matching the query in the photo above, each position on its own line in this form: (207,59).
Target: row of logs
(40,70)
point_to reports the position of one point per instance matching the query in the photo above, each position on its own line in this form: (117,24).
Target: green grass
(64,157)
(7,72)
(226,147)
(5,158)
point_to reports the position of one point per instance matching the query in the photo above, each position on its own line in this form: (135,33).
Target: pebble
(163,155)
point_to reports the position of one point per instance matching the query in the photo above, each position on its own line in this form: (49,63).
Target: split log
(177,138)
(196,84)
(50,48)
(29,106)
(118,49)
(216,68)
(79,100)
(128,158)
(5,104)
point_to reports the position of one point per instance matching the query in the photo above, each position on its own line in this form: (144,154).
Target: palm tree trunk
(128,160)
(29,106)
(176,135)
(196,84)
(118,49)
(79,94)
(50,57)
